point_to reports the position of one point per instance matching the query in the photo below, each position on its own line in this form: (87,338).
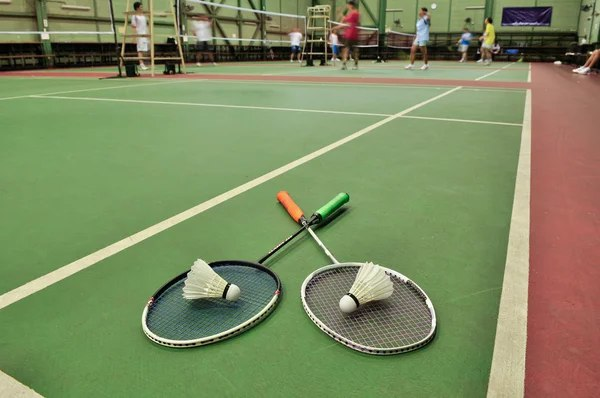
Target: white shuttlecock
(203,282)
(371,283)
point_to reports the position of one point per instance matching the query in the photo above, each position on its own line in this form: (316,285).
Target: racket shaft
(280,245)
(322,245)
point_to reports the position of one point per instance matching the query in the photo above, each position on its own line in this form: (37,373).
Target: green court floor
(86,163)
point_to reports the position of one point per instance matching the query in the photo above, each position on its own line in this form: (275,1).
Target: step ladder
(317,33)
(150,13)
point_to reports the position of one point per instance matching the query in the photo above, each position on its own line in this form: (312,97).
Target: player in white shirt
(295,39)
(463,44)
(140,24)
(334,42)
(203,30)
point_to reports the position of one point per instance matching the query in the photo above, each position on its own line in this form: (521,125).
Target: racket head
(403,322)
(170,320)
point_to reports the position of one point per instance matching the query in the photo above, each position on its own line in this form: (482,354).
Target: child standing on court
(140,24)
(463,44)
(295,39)
(489,38)
(334,41)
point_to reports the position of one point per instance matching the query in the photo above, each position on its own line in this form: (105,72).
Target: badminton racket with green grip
(403,322)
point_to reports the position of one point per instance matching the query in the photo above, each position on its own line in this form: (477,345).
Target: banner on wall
(526,16)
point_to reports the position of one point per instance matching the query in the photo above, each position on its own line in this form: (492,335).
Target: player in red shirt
(350,23)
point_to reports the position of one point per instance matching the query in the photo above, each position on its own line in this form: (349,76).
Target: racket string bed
(174,318)
(400,323)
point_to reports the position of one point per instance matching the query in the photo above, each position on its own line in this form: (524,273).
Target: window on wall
(526,16)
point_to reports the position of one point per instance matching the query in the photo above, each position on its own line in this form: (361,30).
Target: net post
(151,5)
(381,26)
(115,38)
(178,38)
(41,14)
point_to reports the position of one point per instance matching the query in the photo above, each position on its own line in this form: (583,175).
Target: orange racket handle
(290,206)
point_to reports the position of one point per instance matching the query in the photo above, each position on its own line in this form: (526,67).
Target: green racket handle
(334,204)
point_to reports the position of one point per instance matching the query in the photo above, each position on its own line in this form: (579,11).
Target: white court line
(355,84)
(494,72)
(127,85)
(507,374)
(10,387)
(278,109)
(266,108)
(462,120)
(58,275)
(529,74)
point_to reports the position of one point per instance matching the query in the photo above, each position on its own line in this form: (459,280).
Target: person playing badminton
(140,24)
(350,24)
(295,39)
(203,30)
(488,39)
(463,44)
(334,42)
(423,25)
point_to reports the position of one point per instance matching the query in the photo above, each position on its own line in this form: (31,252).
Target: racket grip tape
(333,205)
(290,206)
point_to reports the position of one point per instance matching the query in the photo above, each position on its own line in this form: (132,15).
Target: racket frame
(258,317)
(359,347)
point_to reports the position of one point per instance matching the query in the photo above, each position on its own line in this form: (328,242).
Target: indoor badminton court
(157,157)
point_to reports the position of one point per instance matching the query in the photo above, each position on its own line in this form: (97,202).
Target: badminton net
(399,40)
(61,25)
(367,37)
(239,26)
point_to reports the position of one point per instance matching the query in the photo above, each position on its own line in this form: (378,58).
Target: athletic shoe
(143,67)
(198,64)
(291,60)
(425,67)
(578,69)
(480,60)
(215,64)
(584,71)
(487,63)
(409,66)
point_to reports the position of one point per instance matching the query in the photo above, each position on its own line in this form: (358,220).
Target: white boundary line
(507,374)
(266,108)
(9,387)
(355,84)
(59,274)
(127,85)
(462,120)
(529,73)
(494,72)
(333,112)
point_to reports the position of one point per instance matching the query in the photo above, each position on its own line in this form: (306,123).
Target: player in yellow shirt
(488,38)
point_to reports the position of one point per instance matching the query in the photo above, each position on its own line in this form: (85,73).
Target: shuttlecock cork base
(371,283)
